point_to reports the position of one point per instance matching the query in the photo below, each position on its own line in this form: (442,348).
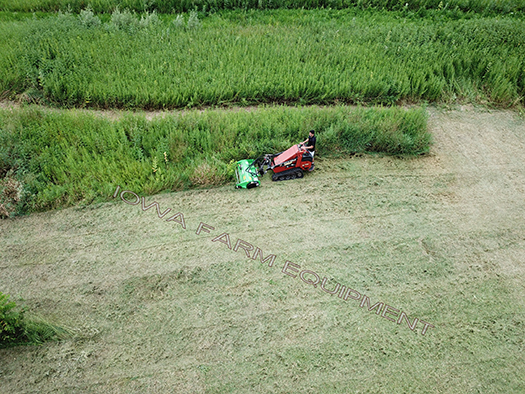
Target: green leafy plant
(178,22)
(17,329)
(11,326)
(193,20)
(88,19)
(155,166)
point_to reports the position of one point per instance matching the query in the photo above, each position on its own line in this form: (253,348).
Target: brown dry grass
(10,192)
(206,175)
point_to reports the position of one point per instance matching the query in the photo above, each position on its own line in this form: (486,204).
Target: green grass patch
(59,159)
(305,57)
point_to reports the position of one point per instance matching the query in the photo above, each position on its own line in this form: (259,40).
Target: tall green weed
(320,57)
(169,6)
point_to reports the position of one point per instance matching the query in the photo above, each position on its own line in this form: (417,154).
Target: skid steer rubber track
(288,175)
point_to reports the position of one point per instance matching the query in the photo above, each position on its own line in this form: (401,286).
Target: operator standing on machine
(310,145)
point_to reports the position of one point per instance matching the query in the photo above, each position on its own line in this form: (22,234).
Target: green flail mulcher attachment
(246,174)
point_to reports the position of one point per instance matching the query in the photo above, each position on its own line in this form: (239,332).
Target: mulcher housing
(247,174)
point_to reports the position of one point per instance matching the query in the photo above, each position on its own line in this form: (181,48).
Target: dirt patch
(158,308)
(115,114)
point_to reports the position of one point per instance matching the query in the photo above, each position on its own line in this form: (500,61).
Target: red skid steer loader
(286,165)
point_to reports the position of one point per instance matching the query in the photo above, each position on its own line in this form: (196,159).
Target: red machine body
(289,164)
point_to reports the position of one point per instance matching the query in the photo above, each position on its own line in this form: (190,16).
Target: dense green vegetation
(17,329)
(300,56)
(147,61)
(61,158)
(168,6)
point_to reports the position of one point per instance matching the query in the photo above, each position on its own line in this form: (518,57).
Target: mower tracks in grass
(156,308)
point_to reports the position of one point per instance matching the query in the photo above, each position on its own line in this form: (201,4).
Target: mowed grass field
(154,307)
(395,267)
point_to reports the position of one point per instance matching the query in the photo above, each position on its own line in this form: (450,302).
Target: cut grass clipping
(18,329)
(298,56)
(57,159)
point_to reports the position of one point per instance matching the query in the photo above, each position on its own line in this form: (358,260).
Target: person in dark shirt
(309,144)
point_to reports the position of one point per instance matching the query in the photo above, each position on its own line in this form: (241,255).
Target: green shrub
(88,19)
(17,329)
(11,326)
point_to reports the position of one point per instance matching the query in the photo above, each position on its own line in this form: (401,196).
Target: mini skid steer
(286,165)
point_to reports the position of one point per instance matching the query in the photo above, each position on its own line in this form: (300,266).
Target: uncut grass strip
(63,62)
(452,7)
(62,158)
